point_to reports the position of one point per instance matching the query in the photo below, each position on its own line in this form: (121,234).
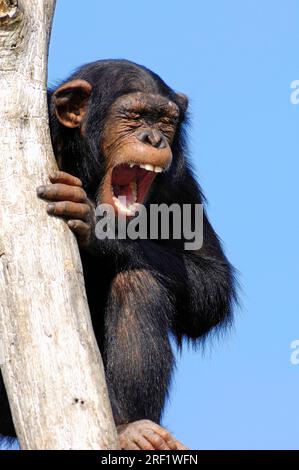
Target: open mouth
(130,184)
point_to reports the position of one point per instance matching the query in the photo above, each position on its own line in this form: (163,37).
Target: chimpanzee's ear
(182,101)
(70,102)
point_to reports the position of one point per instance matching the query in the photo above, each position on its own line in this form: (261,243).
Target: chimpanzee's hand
(69,200)
(147,435)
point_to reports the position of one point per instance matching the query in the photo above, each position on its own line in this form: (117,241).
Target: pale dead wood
(51,364)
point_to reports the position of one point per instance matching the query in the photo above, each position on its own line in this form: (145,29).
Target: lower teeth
(133,186)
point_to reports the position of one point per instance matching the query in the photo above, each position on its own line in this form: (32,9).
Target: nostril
(161,143)
(158,140)
(153,138)
(144,137)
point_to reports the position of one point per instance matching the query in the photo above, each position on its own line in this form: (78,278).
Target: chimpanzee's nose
(153,137)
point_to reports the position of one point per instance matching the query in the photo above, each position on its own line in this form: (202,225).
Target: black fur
(141,291)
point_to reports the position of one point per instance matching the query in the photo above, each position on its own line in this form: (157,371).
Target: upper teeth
(148,167)
(158,169)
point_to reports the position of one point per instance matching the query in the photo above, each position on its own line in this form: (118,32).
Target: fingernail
(51,208)
(40,190)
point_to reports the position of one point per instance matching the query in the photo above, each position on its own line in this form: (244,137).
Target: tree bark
(51,365)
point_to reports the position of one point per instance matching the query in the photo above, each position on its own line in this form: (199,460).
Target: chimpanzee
(118,130)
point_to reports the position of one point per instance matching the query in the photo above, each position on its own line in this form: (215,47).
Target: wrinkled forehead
(147,102)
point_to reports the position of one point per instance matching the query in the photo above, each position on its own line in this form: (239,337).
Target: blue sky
(236,61)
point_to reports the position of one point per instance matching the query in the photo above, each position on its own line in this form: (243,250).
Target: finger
(65,178)
(80,228)
(156,440)
(61,192)
(164,434)
(170,440)
(143,443)
(181,446)
(70,210)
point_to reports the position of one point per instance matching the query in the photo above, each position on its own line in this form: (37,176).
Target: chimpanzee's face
(136,140)
(136,143)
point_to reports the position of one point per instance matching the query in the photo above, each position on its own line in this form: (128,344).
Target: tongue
(122,176)
(124,191)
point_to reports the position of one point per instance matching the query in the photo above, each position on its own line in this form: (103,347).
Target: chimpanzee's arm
(202,283)
(137,353)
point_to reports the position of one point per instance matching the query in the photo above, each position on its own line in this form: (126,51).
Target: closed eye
(133,116)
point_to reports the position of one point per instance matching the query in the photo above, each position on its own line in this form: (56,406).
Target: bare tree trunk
(51,365)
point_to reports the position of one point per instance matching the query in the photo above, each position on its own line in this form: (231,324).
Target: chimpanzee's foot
(147,435)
